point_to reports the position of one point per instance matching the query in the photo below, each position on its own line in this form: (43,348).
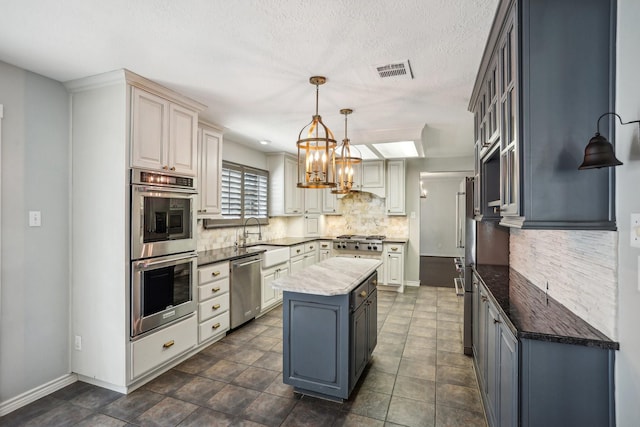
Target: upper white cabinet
(395,200)
(313,201)
(210,158)
(329,202)
(163,134)
(285,198)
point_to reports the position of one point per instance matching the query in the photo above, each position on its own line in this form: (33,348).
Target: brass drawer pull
(310,247)
(216,326)
(375,282)
(298,251)
(214,290)
(324,246)
(215,307)
(394,249)
(168,344)
(215,273)
(363,294)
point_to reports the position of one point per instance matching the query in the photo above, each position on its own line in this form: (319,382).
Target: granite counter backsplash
(536,315)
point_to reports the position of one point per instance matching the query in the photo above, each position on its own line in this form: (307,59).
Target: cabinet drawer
(394,248)
(213,289)
(213,272)
(296,250)
(324,245)
(212,327)
(310,247)
(152,351)
(359,295)
(213,307)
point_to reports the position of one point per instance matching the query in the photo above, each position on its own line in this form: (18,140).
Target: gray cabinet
(530,382)
(545,78)
(329,339)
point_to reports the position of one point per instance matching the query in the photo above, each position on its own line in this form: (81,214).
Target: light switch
(635,230)
(34,219)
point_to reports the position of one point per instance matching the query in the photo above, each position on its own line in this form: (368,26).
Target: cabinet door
(372,321)
(210,149)
(329,202)
(183,128)
(359,345)
(149,130)
(373,174)
(325,254)
(507,414)
(509,156)
(475,315)
(482,338)
(311,225)
(269,295)
(293,196)
(394,269)
(297,264)
(493,362)
(309,259)
(395,190)
(313,201)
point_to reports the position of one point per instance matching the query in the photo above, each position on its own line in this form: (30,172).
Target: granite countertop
(534,315)
(402,240)
(225,254)
(333,276)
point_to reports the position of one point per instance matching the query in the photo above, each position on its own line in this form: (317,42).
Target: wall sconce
(599,152)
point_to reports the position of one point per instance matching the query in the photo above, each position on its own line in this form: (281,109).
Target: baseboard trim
(413,283)
(36,393)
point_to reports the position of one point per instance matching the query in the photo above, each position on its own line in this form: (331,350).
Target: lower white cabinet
(395,187)
(324,250)
(213,301)
(303,255)
(152,351)
(270,296)
(393,261)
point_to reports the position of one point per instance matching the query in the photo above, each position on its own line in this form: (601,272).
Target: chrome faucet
(245,233)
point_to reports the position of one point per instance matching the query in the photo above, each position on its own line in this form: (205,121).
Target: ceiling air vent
(400,70)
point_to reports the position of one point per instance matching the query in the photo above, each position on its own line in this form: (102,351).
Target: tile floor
(418,377)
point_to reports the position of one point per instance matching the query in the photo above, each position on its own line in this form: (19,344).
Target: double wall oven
(163,249)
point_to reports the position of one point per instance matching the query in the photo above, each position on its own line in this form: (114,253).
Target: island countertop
(333,276)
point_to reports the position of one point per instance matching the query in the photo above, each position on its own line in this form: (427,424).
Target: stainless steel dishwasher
(245,289)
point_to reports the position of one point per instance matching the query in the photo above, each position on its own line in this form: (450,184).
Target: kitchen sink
(273,255)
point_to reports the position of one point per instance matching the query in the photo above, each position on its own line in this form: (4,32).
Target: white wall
(241,154)
(34,320)
(628,201)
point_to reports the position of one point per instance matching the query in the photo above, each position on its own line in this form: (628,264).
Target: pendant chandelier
(346,157)
(316,160)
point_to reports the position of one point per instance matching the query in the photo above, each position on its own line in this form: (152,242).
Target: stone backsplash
(216,238)
(364,213)
(579,267)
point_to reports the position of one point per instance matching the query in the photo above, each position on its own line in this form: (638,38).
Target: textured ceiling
(250,61)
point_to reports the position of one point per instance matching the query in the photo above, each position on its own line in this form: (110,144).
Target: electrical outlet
(78,343)
(35,219)
(635,230)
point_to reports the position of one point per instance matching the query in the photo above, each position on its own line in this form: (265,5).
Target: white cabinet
(213,301)
(369,176)
(313,200)
(329,202)
(156,349)
(303,255)
(324,250)
(210,159)
(285,198)
(163,134)
(395,188)
(270,297)
(106,133)
(311,225)
(393,260)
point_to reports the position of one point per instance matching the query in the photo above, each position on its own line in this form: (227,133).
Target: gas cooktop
(358,242)
(360,237)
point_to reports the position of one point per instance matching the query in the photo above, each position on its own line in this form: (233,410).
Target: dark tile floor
(418,377)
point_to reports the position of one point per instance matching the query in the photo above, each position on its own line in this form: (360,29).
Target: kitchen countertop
(402,240)
(536,316)
(333,276)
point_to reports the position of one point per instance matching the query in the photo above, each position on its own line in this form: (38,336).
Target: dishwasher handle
(253,261)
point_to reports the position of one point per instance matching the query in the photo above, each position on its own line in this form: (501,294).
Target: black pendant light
(599,152)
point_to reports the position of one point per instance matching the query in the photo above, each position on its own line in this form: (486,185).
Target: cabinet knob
(215,307)
(168,344)
(216,326)
(310,247)
(173,168)
(375,282)
(214,290)
(215,273)
(363,294)
(165,167)
(203,210)
(497,321)
(298,251)
(484,298)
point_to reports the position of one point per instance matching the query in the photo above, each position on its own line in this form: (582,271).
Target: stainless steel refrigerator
(466,243)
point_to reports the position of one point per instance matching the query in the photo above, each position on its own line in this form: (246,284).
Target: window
(244,194)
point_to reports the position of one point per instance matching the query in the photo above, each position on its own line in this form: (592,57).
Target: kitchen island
(329,325)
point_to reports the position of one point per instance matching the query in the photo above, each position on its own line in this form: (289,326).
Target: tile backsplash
(364,213)
(579,266)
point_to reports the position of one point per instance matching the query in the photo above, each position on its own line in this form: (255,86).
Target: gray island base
(329,325)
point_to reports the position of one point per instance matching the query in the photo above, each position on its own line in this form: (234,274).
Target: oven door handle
(146,264)
(167,190)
